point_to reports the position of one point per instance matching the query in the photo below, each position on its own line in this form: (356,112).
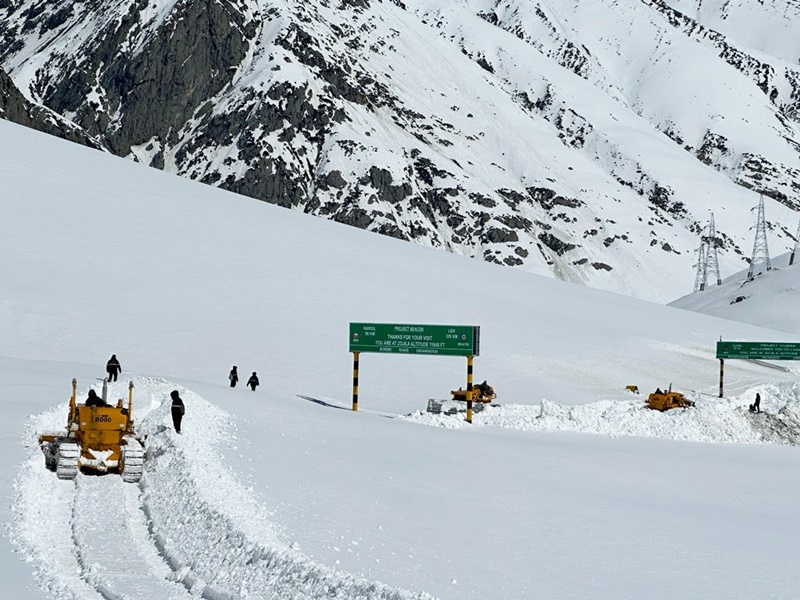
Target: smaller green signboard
(759,350)
(401,338)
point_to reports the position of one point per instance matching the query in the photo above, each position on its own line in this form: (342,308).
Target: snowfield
(566,489)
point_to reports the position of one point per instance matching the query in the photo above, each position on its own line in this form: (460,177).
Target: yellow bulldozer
(99,437)
(668,399)
(481,392)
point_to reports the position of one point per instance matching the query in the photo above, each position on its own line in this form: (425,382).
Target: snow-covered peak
(587,141)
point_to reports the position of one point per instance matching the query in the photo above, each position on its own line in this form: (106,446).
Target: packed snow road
(188,530)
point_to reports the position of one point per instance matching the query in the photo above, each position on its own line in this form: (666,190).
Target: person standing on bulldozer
(178,409)
(253,381)
(113,368)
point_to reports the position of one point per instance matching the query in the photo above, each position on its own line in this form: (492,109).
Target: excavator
(99,437)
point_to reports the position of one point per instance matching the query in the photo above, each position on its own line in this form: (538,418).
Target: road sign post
(398,338)
(755,351)
(404,338)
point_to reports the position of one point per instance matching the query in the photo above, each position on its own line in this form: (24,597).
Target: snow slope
(284,493)
(769,300)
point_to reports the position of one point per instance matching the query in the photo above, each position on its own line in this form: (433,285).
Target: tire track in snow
(42,523)
(113,546)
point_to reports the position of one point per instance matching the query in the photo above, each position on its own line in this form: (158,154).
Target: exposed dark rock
(556,245)
(482,200)
(496,235)
(485,64)
(713,148)
(333,179)
(601,266)
(16,108)
(381,180)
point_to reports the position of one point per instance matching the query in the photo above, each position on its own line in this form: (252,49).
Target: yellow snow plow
(482,392)
(668,399)
(99,437)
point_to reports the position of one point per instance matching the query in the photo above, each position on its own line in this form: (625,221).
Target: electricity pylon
(702,273)
(712,261)
(707,259)
(760,249)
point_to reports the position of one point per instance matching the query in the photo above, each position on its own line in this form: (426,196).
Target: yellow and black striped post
(721,373)
(469,389)
(73,403)
(355,380)
(130,405)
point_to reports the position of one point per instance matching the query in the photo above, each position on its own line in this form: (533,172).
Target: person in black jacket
(253,381)
(756,406)
(233,376)
(94,400)
(177,410)
(113,368)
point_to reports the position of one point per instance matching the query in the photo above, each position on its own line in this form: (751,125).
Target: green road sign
(762,350)
(447,340)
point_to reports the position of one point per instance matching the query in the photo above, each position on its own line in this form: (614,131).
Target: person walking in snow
(233,376)
(113,368)
(253,381)
(756,406)
(178,409)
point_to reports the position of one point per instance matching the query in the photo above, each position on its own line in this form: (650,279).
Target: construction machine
(668,399)
(482,392)
(99,437)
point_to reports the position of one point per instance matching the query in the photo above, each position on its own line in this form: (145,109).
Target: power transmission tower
(701,277)
(760,250)
(711,242)
(707,259)
(796,243)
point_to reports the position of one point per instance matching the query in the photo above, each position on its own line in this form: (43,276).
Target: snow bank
(712,420)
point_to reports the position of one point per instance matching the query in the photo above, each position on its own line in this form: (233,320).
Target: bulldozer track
(67,460)
(132,461)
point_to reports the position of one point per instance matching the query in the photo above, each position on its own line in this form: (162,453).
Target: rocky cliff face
(16,108)
(585,142)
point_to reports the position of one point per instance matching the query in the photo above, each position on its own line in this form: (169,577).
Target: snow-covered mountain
(584,140)
(15,107)
(285,493)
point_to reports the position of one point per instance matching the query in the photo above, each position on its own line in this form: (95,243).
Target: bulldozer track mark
(121,562)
